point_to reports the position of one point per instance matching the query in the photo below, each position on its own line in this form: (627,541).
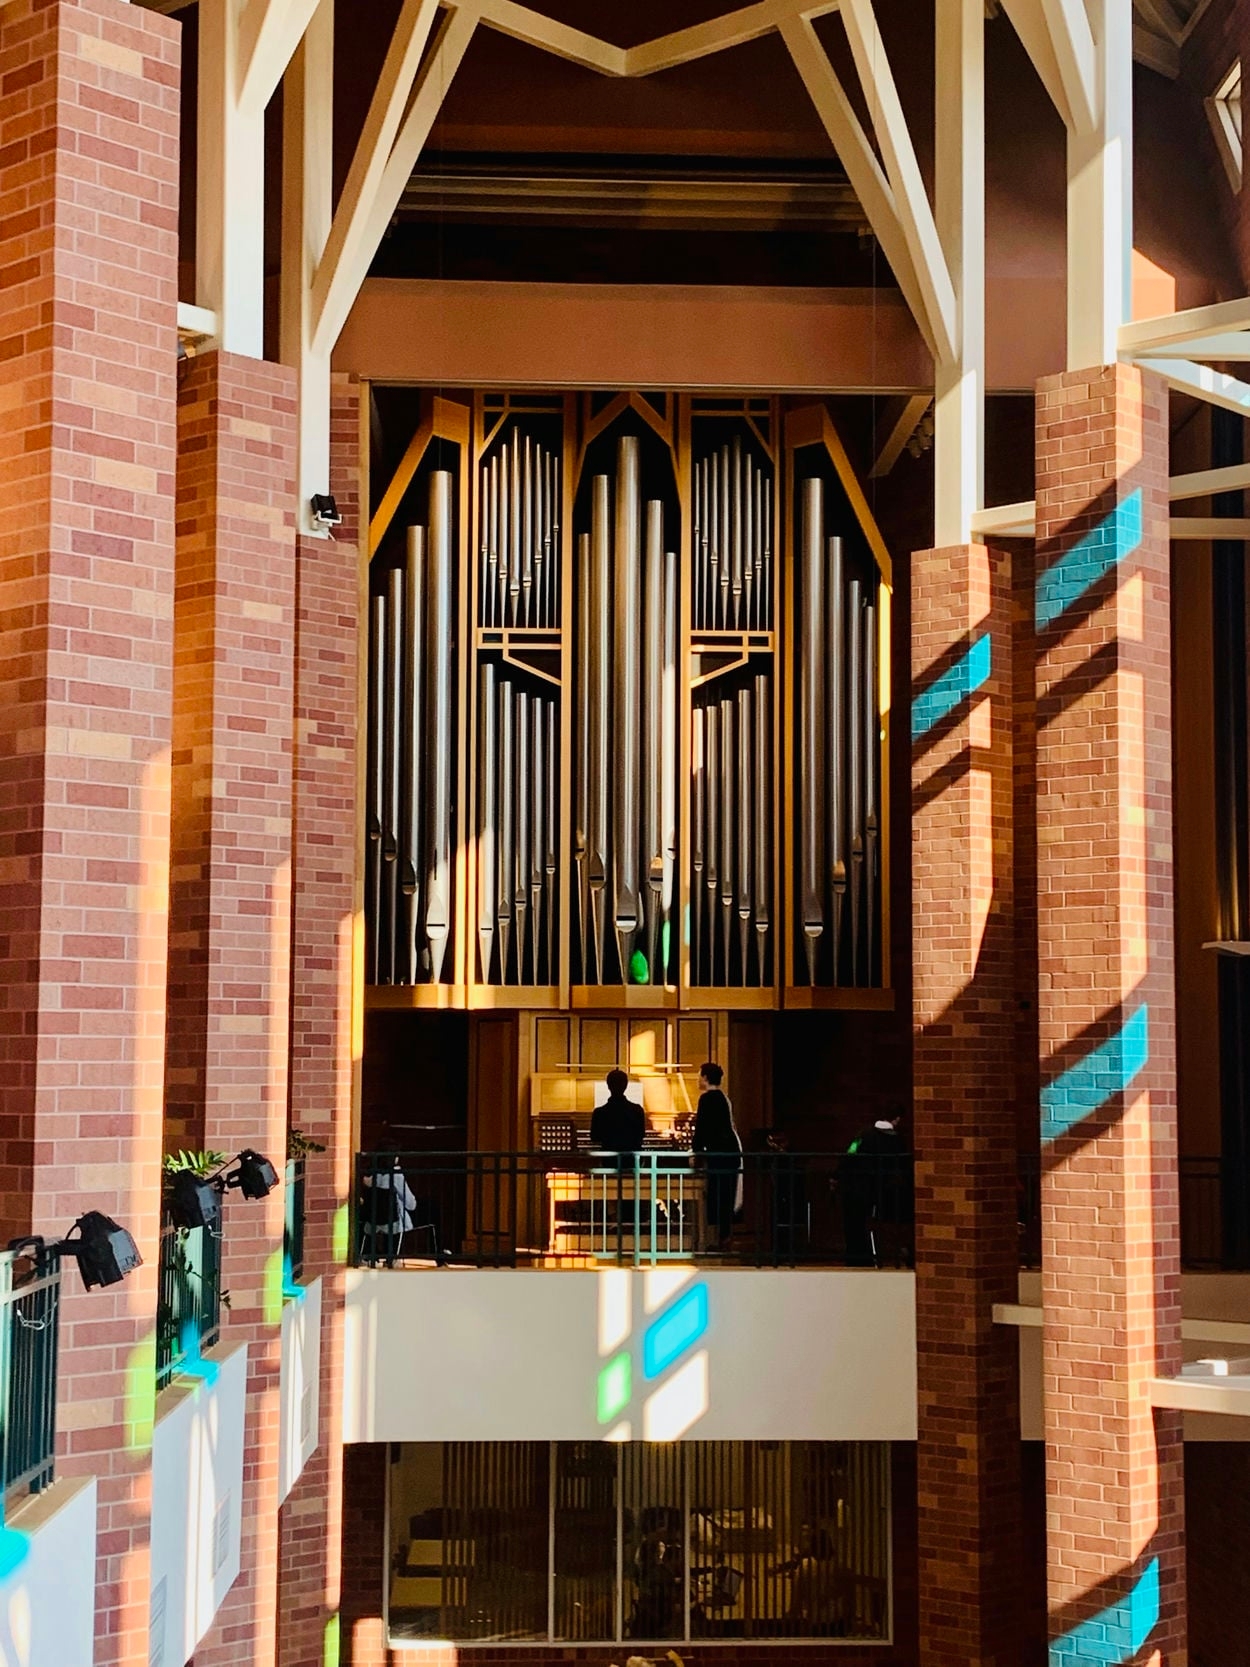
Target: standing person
(618,1125)
(870,1184)
(716,1140)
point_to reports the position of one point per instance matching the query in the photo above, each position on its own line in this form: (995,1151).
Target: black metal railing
(504,1209)
(1211,1238)
(30,1299)
(293,1229)
(188,1309)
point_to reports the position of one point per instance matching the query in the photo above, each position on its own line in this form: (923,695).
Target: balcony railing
(30,1298)
(188,1312)
(293,1230)
(509,1209)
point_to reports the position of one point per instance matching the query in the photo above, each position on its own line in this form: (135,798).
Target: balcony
(581,1209)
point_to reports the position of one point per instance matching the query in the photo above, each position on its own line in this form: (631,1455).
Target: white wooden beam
(1146,334)
(307,200)
(903,172)
(1205,483)
(1163,17)
(858,158)
(1006,521)
(230,196)
(1156,53)
(342,267)
(269,32)
(436,75)
(906,425)
(735,28)
(1231,348)
(197,323)
(1068,26)
(959,194)
(1029,22)
(1100,198)
(522,23)
(1202,382)
(1203,528)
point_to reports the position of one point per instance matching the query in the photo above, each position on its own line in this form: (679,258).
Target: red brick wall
(1110,1279)
(229,958)
(965,1139)
(364,1562)
(88,209)
(324,1040)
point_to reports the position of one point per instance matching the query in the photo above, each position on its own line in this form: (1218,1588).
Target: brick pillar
(962,959)
(88,250)
(325,1030)
(229,960)
(1110,1282)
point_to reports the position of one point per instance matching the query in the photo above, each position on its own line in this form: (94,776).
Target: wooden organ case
(627,709)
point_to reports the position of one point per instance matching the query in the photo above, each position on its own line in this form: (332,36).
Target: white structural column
(307,207)
(230,198)
(959,200)
(1100,186)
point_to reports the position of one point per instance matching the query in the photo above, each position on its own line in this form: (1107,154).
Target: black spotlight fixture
(193,1201)
(105,1252)
(253,1175)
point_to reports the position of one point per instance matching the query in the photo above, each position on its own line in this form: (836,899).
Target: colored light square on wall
(676,1330)
(615,1387)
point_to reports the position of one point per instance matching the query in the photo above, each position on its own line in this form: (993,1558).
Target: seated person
(619,1124)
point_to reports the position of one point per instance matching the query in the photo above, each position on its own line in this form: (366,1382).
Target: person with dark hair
(873,1186)
(716,1142)
(619,1124)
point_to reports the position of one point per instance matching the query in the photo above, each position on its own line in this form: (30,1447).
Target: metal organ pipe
(441,738)
(811,632)
(521,798)
(600,720)
(871,746)
(652,762)
(745,826)
(581,811)
(377,705)
(711,773)
(625,750)
(413,751)
(836,674)
(668,749)
(551,824)
(698,796)
(536,787)
(392,736)
(504,874)
(855,679)
(761,901)
(487,812)
(726,861)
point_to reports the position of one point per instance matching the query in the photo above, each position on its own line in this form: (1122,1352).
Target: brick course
(229,958)
(325,1037)
(965,1139)
(1110,1282)
(88,223)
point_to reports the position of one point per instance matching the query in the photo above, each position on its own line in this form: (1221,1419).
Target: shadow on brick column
(1110,1218)
(965,1135)
(325,1038)
(229,961)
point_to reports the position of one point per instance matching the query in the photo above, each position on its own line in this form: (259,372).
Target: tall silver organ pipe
(855,678)
(520,789)
(581,813)
(725,861)
(392,731)
(872,725)
(762,881)
(711,842)
(537,789)
(600,720)
(505,874)
(836,675)
(811,762)
(413,706)
(487,812)
(668,755)
(625,748)
(441,740)
(652,691)
(745,735)
(377,706)
(551,825)
(698,815)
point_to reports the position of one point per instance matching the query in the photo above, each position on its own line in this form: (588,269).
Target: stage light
(105,1252)
(253,1175)
(193,1201)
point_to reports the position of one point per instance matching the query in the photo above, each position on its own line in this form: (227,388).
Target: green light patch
(615,1388)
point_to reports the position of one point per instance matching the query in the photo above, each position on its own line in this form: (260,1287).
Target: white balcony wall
(529,1355)
(47,1578)
(301,1383)
(197,1489)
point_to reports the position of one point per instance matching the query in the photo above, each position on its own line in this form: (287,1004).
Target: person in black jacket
(871,1184)
(716,1140)
(618,1125)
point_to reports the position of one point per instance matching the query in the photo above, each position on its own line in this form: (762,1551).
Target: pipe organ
(628,709)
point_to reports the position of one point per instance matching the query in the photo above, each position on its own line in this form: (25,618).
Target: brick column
(325,1030)
(88,252)
(962,960)
(1111,1289)
(229,959)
